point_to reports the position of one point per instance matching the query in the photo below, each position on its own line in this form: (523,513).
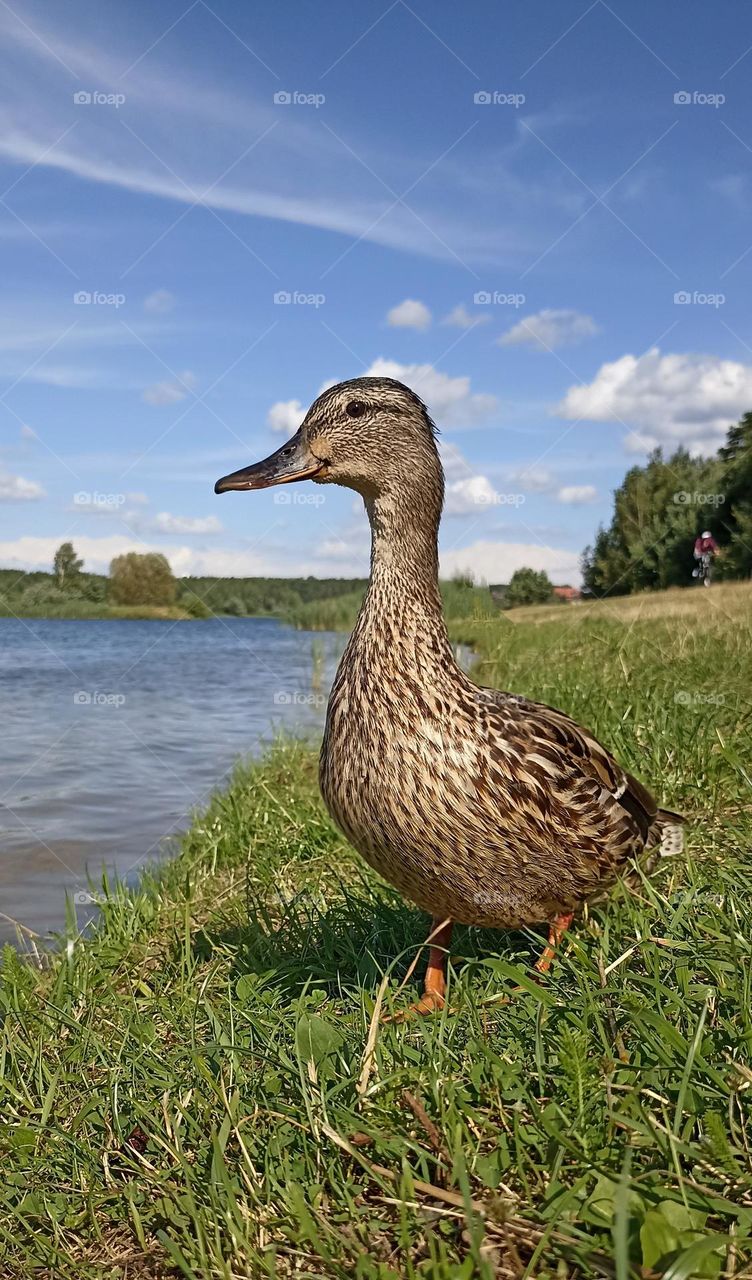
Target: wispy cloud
(17,489)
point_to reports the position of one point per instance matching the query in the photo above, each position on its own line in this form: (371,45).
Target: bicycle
(704,569)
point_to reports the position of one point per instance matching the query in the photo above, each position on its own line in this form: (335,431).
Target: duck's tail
(667,833)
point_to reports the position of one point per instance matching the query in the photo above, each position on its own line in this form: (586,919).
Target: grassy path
(194,1092)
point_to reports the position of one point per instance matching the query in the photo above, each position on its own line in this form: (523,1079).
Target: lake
(115,731)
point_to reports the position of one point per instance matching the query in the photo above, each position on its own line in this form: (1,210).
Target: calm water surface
(114,731)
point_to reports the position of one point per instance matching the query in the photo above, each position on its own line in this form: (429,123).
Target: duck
(482,807)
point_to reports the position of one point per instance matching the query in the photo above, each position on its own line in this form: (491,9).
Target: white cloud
(159,302)
(337,556)
(470,495)
(533,479)
(97,553)
(496,561)
(577,494)
(334,549)
(164,522)
(16,489)
(449,400)
(410,314)
(670,400)
(467,491)
(461,318)
(286,416)
(169,392)
(549,329)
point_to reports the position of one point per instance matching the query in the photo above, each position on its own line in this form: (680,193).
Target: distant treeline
(267,597)
(661,507)
(81,594)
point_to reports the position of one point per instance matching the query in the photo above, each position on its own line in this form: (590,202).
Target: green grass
(87,609)
(192,1092)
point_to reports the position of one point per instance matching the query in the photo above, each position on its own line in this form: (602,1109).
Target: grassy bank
(83,609)
(194,1091)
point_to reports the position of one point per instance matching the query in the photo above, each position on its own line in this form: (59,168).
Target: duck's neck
(402,607)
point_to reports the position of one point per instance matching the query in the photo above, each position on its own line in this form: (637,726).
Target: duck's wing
(557,753)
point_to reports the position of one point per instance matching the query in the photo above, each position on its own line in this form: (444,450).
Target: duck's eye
(355,409)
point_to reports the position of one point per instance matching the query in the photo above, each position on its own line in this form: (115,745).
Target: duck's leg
(556,931)
(434,984)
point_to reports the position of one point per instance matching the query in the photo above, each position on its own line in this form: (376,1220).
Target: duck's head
(373,435)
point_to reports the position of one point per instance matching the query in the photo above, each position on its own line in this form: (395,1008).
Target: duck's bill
(293,461)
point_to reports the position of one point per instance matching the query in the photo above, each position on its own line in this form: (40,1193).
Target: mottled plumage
(480,806)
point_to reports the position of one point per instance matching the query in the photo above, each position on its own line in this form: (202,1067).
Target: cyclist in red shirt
(706,548)
(703,543)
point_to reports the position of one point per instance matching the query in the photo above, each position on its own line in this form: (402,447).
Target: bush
(528,586)
(142,579)
(40,594)
(194,605)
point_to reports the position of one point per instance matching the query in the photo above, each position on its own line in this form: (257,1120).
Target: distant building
(567,593)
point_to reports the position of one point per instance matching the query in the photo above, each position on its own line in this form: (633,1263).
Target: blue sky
(156,197)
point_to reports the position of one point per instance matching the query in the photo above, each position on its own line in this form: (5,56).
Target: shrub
(142,579)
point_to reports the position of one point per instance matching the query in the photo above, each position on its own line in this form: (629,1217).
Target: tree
(661,507)
(528,586)
(142,579)
(736,483)
(66,565)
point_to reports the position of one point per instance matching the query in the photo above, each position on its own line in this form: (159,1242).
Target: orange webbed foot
(433,999)
(556,931)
